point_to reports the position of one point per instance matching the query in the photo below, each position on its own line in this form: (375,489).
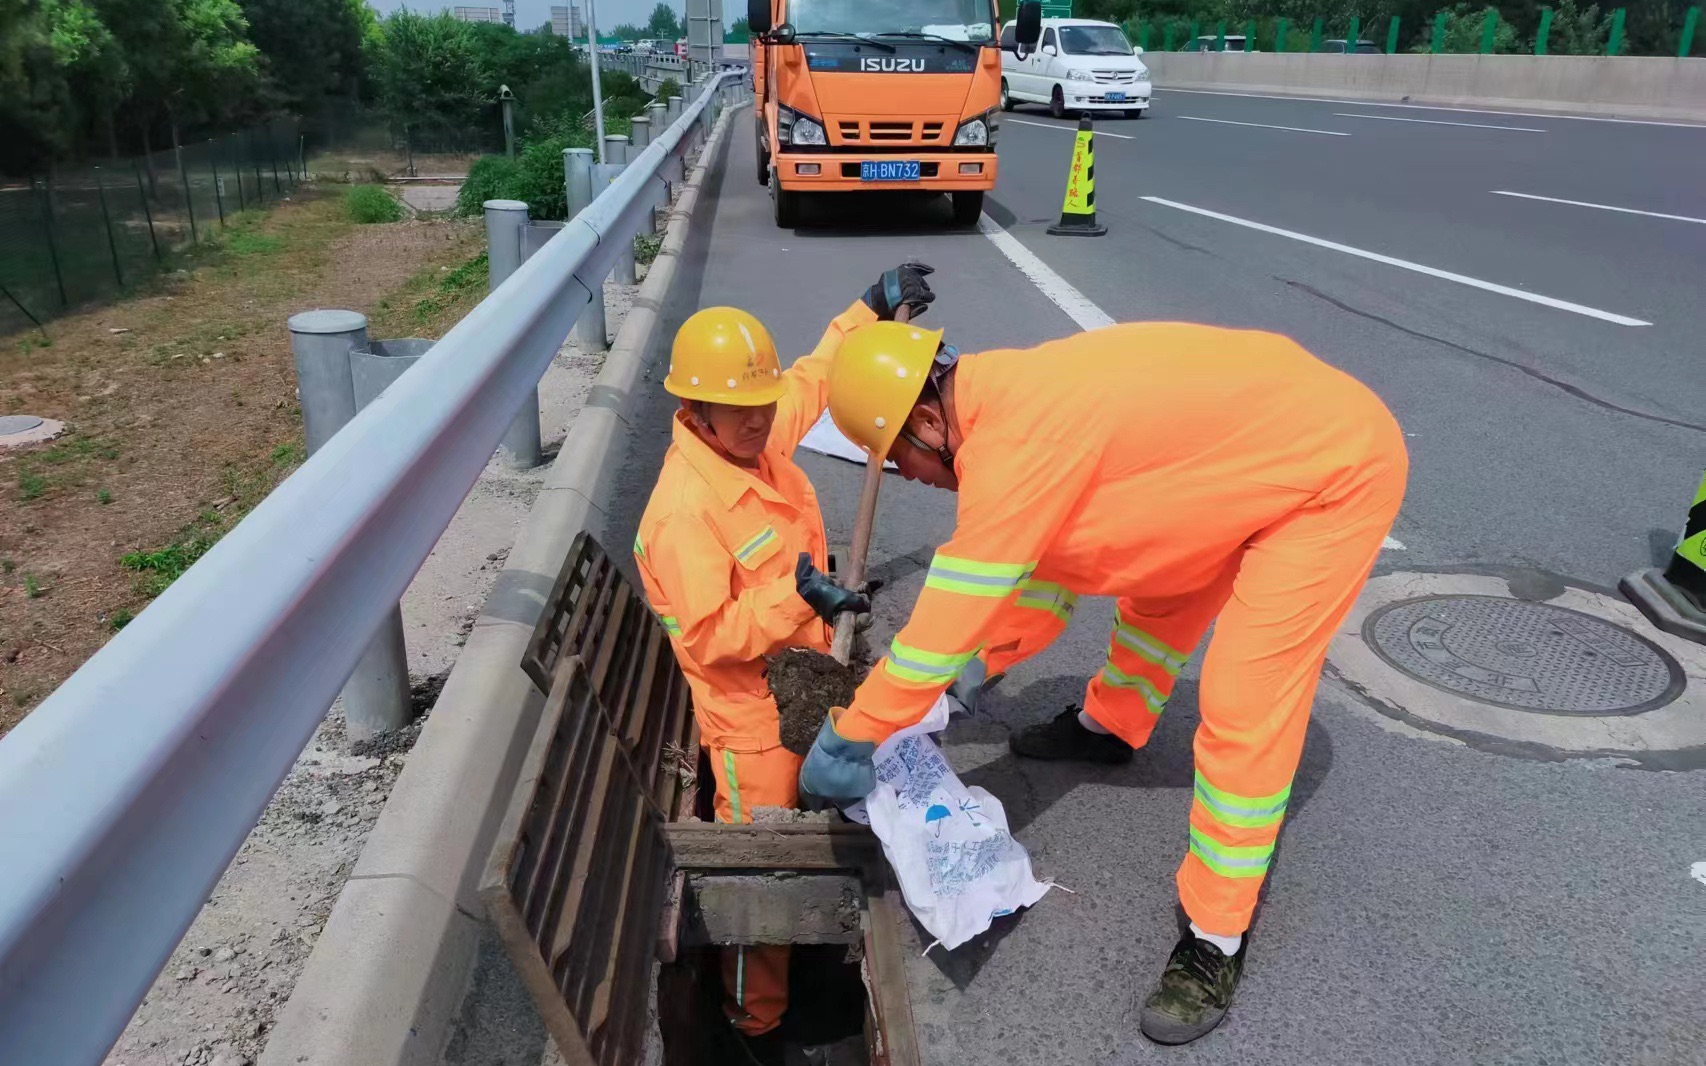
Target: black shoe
(766,1049)
(1066,738)
(1194,992)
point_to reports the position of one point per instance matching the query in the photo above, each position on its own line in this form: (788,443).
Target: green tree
(1577,31)
(310,49)
(628,32)
(738,33)
(428,73)
(664,25)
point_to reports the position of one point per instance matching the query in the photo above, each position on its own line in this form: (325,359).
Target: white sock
(1091,724)
(1228,945)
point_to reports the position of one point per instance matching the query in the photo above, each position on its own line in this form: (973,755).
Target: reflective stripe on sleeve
(1228,861)
(1047,596)
(670,625)
(1244,812)
(972,578)
(639,549)
(755,545)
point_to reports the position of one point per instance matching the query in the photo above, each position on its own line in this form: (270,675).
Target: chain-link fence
(85,233)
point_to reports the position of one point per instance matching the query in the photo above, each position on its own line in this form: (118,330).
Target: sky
(531,14)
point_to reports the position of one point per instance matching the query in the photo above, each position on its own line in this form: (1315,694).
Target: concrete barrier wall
(1626,87)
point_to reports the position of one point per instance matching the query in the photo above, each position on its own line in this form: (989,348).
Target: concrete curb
(383,984)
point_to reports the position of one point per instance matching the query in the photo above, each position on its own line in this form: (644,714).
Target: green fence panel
(1167,37)
(1392,36)
(1438,43)
(1489,30)
(1315,35)
(1143,37)
(1279,36)
(1685,44)
(1220,36)
(1196,31)
(1614,47)
(1355,34)
(1543,32)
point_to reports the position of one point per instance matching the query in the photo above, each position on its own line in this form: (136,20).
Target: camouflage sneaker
(1066,738)
(1194,992)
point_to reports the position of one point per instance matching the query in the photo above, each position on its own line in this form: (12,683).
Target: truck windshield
(958,20)
(1094,41)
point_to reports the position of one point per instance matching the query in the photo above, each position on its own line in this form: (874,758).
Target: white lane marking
(1060,291)
(1393,544)
(1439,122)
(1602,207)
(1262,125)
(1435,107)
(1434,272)
(1097,130)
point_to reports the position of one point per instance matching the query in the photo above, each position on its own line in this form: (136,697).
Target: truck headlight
(794,128)
(1080,75)
(973,134)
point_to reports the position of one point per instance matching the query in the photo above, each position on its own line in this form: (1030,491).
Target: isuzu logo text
(892,64)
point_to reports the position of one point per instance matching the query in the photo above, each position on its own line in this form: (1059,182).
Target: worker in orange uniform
(1194,473)
(731,550)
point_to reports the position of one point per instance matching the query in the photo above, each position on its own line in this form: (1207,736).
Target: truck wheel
(785,203)
(968,207)
(1057,103)
(1006,96)
(763,164)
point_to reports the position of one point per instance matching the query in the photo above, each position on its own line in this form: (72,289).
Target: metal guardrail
(124,796)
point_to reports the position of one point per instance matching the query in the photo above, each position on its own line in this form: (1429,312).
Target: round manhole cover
(10,424)
(1523,655)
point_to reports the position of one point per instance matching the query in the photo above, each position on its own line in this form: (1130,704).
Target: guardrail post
(589,331)
(1685,44)
(616,150)
(674,111)
(504,222)
(376,696)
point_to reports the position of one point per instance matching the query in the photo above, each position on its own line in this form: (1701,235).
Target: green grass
(157,569)
(646,247)
(369,203)
(103,497)
(287,454)
(244,243)
(67,462)
(7,566)
(31,485)
(32,587)
(119,619)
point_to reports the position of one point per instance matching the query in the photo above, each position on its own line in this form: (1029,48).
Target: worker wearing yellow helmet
(1195,474)
(732,553)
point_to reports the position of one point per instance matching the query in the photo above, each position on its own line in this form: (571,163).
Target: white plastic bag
(958,866)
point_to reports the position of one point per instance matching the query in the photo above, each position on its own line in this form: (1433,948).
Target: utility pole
(597,89)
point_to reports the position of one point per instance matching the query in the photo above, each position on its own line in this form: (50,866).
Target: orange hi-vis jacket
(716,552)
(1135,460)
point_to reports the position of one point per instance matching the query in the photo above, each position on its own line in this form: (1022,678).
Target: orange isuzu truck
(854,95)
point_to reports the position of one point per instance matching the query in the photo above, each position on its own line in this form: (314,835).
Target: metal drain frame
(596,792)
(1677,683)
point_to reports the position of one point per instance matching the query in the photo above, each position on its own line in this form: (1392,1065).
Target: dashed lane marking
(1060,292)
(1439,122)
(1601,207)
(1436,107)
(1261,125)
(1099,131)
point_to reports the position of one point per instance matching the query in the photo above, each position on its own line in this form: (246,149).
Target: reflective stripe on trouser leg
(755,979)
(1298,579)
(1149,645)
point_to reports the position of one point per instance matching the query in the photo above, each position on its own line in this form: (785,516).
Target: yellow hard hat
(724,355)
(878,375)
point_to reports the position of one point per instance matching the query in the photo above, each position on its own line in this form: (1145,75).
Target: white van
(1079,65)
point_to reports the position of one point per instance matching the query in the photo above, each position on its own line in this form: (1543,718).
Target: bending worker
(1193,472)
(731,550)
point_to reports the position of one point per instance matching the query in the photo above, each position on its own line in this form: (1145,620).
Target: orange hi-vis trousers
(755,979)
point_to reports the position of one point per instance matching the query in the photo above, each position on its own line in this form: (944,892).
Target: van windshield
(1094,41)
(958,20)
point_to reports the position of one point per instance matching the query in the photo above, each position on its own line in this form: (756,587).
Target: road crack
(1539,375)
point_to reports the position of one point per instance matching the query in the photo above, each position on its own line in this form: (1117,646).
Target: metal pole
(106,216)
(509,124)
(218,193)
(589,331)
(597,86)
(46,194)
(260,185)
(505,219)
(616,149)
(147,212)
(376,696)
(184,179)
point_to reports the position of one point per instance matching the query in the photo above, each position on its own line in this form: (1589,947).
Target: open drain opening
(825,1024)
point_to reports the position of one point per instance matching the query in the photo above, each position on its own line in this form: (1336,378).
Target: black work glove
(904,286)
(823,595)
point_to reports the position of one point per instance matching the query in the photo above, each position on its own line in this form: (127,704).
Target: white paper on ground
(825,439)
(1698,872)
(958,866)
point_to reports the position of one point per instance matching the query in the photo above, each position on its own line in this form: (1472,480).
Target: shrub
(370,203)
(490,178)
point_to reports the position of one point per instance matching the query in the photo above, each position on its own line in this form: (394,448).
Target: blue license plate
(1116,98)
(890,170)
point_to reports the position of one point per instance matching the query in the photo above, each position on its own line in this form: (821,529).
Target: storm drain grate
(1523,655)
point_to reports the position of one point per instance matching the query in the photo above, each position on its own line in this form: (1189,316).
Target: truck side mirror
(783,34)
(758,17)
(1030,20)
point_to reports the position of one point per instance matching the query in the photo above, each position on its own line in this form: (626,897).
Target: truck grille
(890,132)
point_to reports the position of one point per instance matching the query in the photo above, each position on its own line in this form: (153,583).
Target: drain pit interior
(826,1022)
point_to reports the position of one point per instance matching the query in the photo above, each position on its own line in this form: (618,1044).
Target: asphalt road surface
(1430,903)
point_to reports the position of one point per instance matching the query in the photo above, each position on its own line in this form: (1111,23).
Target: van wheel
(1057,103)
(786,204)
(763,164)
(1006,96)
(1137,112)
(968,207)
